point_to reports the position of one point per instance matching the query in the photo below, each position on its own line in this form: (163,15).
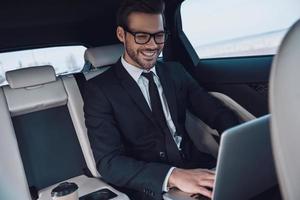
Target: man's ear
(120,34)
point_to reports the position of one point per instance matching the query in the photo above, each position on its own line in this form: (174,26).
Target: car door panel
(245,80)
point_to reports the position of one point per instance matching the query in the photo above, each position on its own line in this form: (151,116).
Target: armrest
(86,186)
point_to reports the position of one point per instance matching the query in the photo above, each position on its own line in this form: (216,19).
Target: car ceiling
(30,24)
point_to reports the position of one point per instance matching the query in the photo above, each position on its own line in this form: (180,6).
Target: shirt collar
(134,71)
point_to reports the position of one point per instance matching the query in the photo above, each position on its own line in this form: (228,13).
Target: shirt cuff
(165,184)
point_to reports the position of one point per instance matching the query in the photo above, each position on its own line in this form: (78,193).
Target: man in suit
(135,112)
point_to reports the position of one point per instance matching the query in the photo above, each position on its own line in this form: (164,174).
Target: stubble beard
(147,65)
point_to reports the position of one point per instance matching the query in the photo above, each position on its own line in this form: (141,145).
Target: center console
(88,189)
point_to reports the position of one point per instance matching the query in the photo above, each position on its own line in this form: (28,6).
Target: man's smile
(149,53)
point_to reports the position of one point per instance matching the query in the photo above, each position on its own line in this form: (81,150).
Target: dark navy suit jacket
(130,149)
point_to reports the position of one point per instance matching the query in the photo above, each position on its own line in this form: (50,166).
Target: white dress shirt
(143,83)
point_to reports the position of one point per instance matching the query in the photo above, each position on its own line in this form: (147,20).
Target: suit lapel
(132,88)
(168,89)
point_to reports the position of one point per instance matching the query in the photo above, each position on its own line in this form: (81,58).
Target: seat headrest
(32,76)
(104,56)
(284,106)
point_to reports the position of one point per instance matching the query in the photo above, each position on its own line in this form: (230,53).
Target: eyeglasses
(144,38)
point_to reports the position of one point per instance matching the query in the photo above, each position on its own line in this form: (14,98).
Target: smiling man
(135,113)
(143,44)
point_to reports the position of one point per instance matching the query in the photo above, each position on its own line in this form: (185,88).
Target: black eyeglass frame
(152,35)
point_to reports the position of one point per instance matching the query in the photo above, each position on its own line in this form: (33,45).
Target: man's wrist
(172,178)
(166,181)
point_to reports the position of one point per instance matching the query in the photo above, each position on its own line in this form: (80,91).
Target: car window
(237,27)
(65,60)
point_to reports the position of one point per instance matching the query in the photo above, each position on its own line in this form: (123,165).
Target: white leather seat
(35,90)
(285,112)
(13,183)
(75,104)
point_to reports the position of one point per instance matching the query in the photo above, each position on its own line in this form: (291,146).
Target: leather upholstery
(13,183)
(104,56)
(284,106)
(31,99)
(32,76)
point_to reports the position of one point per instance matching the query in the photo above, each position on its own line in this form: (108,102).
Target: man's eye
(141,36)
(160,35)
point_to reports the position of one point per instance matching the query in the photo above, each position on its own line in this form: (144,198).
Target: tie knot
(148,75)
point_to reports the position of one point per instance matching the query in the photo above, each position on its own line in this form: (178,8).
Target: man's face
(141,55)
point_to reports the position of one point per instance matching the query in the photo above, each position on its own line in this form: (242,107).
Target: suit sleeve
(205,106)
(107,144)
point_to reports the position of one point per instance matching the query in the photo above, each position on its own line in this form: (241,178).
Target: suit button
(162,155)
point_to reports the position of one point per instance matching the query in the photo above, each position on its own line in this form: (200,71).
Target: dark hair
(144,6)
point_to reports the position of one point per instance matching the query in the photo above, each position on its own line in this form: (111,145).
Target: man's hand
(193,181)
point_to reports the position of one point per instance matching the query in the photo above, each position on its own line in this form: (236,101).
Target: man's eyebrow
(140,31)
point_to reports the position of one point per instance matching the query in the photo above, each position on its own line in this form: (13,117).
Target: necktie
(157,111)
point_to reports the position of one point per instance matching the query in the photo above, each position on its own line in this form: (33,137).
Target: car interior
(43,137)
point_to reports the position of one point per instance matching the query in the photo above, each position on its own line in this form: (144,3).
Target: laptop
(245,166)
